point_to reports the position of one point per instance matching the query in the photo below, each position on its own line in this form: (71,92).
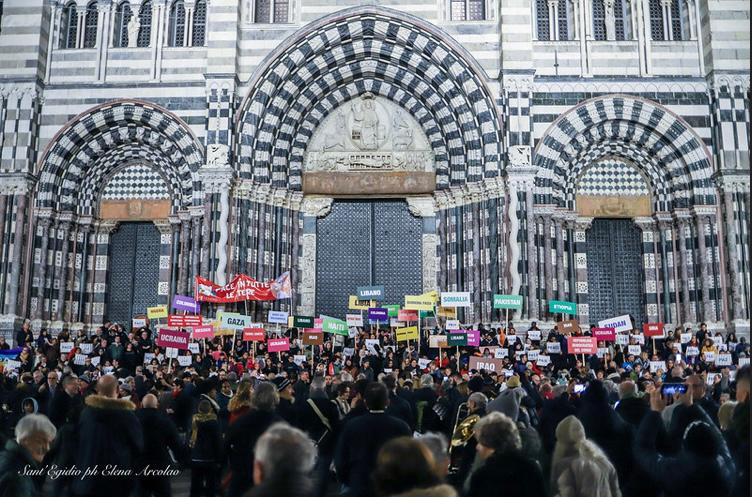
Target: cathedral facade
(591,151)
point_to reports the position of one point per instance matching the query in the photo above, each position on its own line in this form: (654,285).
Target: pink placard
(172,338)
(605,334)
(206,331)
(278,344)
(473,338)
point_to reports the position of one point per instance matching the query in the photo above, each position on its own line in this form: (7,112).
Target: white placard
(96,360)
(12,365)
(693,351)
(348,351)
(453,324)
(396,323)
(171,352)
(501,353)
(710,379)
(388,370)
(86,348)
(423,363)
(634,350)
(278,317)
(508,373)
(743,361)
(66,347)
(639,339)
(148,356)
(371,344)
(354,320)
(352,332)
(618,323)
(299,359)
(455,299)
(718,340)
(534,335)
(193,347)
(553,347)
(79,359)
(184,360)
(709,356)
(543,360)
(724,360)
(686,337)
(601,352)
(656,365)
(622,339)
(137,323)
(532,355)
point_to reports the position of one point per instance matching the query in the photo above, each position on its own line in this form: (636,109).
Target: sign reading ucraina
(455,299)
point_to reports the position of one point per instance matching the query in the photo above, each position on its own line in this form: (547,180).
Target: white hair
(285,449)
(426,381)
(31,424)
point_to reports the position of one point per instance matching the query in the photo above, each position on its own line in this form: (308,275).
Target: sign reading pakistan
(369,133)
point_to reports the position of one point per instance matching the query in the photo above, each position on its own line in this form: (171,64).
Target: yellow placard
(358,305)
(419,303)
(220,332)
(407,333)
(157,312)
(446,312)
(433,295)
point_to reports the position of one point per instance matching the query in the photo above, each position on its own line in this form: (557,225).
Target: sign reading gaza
(370,292)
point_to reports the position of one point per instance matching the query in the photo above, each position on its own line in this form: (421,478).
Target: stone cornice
(732,181)
(16,184)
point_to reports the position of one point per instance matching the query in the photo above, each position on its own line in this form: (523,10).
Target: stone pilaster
(683,229)
(64,226)
(216,178)
(43,226)
(425,208)
(582,289)
(313,208)
(650,267)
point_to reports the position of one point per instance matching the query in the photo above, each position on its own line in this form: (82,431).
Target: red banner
(652,329)
(243,287)
(254,334)
(184,321)
(173,339)
(582,345)
(605,334)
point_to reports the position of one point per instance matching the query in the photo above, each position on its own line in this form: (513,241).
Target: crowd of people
(376,417)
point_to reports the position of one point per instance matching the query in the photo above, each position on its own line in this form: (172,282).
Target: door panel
(615,270)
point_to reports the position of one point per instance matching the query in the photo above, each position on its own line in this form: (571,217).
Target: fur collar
(437,491)
(100,402)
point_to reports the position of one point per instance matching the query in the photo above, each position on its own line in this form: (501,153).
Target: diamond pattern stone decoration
(138,181)
(612,177)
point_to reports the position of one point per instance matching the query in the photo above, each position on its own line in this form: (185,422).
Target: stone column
(610,20)
(184,257)
(104,230)
(174,232)
(547,262)
(216,177)
(683,225)
(188,33)
(425,208)
(703,228)
(553,25)
(582,288)
(313,208)
(62,271)
(520,178)
(43,226)
(16,189)
(83,276)
(165,256)
(196,243)
(559,227)
(532,254)
(650,275)
(666,9)
(665,227)
(729,187)
(106,14)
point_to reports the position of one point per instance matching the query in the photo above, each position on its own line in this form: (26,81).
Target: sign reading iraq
(369,145)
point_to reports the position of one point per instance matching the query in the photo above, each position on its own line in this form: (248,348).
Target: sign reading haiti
(407,333)
(652,329)
(604,334)
(157,312)
(370,292)
(563,307)
(278,345)
(619,323)
(336,326)
(183,303)
(582,345)
(278,317)
(173,339)
(507,302)
(234,321)
(455,299)
(378,314)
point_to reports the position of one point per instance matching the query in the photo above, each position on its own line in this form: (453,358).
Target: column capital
(732,182)
(16,184)
(422,206)
(317,206)
(215,179)
(645,223)
(106,227)
(163,226)
(582,223)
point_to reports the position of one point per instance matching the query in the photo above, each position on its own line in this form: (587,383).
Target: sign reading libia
(243,287)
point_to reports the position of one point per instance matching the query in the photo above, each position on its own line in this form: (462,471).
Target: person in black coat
(703,465)
(206,451)
(243,434)
(65,411)
(160,434)
(631,408)
(322,425)
(398,407)
(505,470)
(109,433)
(554,410)
(361,440)
(286,409)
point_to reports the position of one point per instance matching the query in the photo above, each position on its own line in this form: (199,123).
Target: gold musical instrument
(464,430)
(462,433)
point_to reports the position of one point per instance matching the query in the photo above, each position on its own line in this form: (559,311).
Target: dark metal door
(134,271)
(615,270)
(366,243)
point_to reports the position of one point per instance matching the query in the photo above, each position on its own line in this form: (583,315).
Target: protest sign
(395,323)
(437,341)
(581,345)
(693,351)
(96,360)
(148,357)
(601,352)
(568,327)
(743,361)
(86,348)
(723,360)
(299,359)
(534,335)
(392,310)
(277,317)
(354,320)
(562,307)
(532,355)
(372,344)
(604,334)
(708,356)
(507,302)
(254,333)
(352,332)
(157,312)
(358,305)
(486,364)
(619,323)
(717,340)
(553,347)
(473,338)
(455,299)
(171,352)
(407,333)
(313,338)
(378,314)
(172,338)
(336,326)
(424,363)
(652,330)
(193,348)
(638,338)
(79,359)
(242,287)
(13,365)
(686,337)
(234,321)
(302,321)
(205,331)
(657,365)
(184,320)
(278,344)
(622,339)
(501,353)
(634,350)
(370,293)
(446,312)
(457,339)
(407,315)
(452,324)
(66,347)
(137,323)
(184,360)
(348,351)
(543,360)
(419,303)
(183,303)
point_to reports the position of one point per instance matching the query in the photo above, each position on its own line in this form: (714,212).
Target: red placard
(184,320)
(173,339)
(407,315)
(652,329)
(254,334)
(582,345)
(278,345)
(605,334)
(204,331)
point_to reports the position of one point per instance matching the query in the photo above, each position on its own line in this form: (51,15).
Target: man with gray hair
(34,434)
(438,445)
(631,407)
(283,459)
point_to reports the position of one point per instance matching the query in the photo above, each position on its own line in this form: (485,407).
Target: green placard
(507,302)
(302,321)
(336,326)
(457,339)
(426,314)
(393,309)
(562,307)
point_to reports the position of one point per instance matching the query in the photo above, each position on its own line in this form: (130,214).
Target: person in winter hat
(579,467)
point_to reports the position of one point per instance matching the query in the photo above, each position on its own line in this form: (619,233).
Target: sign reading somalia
(370,292)
(455,299)
(507,302)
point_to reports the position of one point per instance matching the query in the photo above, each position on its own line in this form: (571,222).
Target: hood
(700,439)
(437,491)
(101,402)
